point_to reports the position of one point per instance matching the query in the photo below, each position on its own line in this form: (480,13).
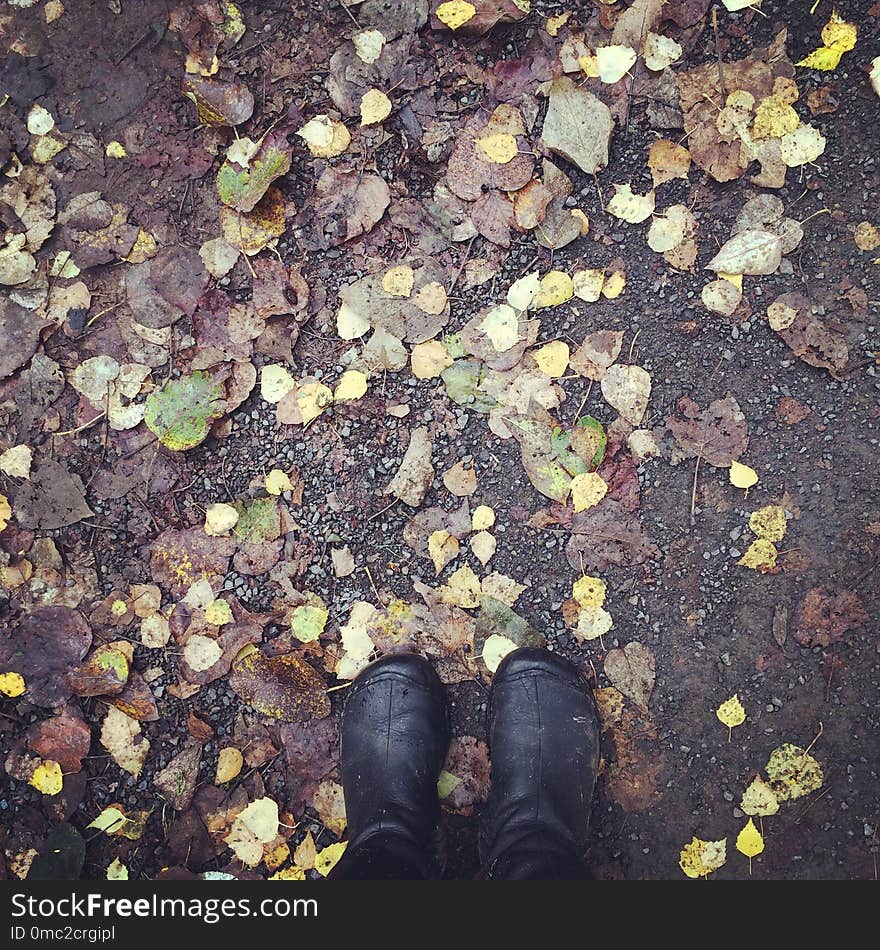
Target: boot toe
(532,660)
(407,666)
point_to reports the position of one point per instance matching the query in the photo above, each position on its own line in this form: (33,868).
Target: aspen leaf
(327,858)
(754,252)
(700,858)
(220,519)
(368,45)
(482,518)
(768,523)
(47,778)
(589,591)
(307,622)
(749,841)
(805,144)
(12,684)
(780,315)
(556,288)
(731,712)
(593,622)
(501,325)
(110,821)
(201,653)
(734,5)
(760,555)
(495,649)
(839,37)
(446,784)
(312,399)
(39,120)
(218,613)
(587,490)
(352,385)
(429,359)
(375,107)
(275,383)
(629,206)
(460,481)
(325,137)
(522,292)
(613,285)
(627,389)
(462,589)
(455,13)
(16,461)
(866,236)
(431,298)
(614,62)
(792,772)
(552,358)
(483,545)
(587,284)
(350,324)
(443,548)
(660,51)
(277,482)
(500,148)
(398,281)
(759,799)
(742,476)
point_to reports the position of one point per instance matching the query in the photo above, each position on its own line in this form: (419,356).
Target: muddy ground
(708,621)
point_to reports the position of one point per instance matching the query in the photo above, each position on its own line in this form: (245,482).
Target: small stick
(86,425)
(718,52)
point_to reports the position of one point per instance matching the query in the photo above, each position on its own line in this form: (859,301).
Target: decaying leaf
(632,671)
(282,687)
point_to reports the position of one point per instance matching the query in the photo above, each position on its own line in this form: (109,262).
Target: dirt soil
(708,621)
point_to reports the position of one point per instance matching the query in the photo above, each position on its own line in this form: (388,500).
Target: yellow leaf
(495,649)
(741,476)
(220,518)
(275,383)
(587,284)
(768,523)
(398,281)
(501,325)
(866,236)
(307,621)
(455,13)
(431,298)
(12,684)
(497,147)
(312,399)
(218,613)
(523,291)
(552,358)
(749,841)
(759,799)
(443,548)
(289,874)
(700,858)
(803,145)
(760,555)
(352,385)
(614,284)
(110,821)
(429,359)
(350,324)
(47,777)
(556,288)
(593,622)
(229,764)
(614,62)
(792,772)
(483,545)
(368,45)
(325,137)
(462,589)
(5,512)
(277,482)
(375,107)
(589,591)
(589,65)
(731,712)
(326,859)
(773,118)
(838,31)
(117,871)
(587,490)
(629,206)
(554,24)
(482,518)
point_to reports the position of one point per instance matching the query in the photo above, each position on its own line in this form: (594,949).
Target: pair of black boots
(544,742)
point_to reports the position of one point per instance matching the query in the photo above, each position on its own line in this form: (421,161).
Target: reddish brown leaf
(822,617)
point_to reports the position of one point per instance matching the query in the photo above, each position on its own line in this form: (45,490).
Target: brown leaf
(53,498)
(177,781)
(822,617)
(231,639)
(64,738)
(180,558)
(416,472)
(608,534)
(492,215)
(790,411)
(634,777)
(219,102)
(348,204)
(136,700)
(20,332)
(42,648)
(281,687)
(632,671)
(718,434)
(577,126)
(459,480)
(469,176)
(161,290)
(467,760)
(598,351)
(105,671)
(487,14)
(816,343)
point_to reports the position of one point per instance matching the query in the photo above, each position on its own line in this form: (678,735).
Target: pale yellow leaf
(552,358)
(229,764)
(495,649)
(220,519)
(483,545)
(398,281)
(587,490)
(352,385)
(482,518)
(375,107)
(731,712)
(443,548)
(742,476)
(277,482)
(429,359)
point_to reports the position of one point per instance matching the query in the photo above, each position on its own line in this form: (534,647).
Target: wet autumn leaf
(281,687)
(182,411)
(792,772)
(632,671)
(823,617)
(718,434)
(700,858)
(242,188)
(219,103)
(759,799)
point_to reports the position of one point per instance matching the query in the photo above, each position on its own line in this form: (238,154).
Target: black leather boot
(395,733)
(544,742)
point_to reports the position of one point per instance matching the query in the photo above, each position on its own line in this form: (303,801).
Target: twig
(718,52)
(81,428)
(694,489)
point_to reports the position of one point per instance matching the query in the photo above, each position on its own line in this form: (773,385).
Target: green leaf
(258,521)
(463,381)
(181,412)
(241,188)
(588,439)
